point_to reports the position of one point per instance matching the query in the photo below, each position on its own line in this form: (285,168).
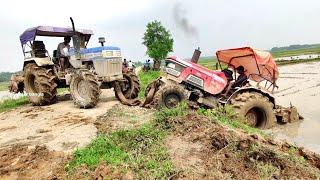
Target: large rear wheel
(40,85)
(130,87)
(84,89)
(256,109)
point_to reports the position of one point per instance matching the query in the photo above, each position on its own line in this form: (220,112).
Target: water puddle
(300,85)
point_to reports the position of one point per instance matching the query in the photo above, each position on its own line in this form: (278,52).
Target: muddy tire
(40,84)
(256,108)
(148,88)
(169,96)
(84,89)
(131,87)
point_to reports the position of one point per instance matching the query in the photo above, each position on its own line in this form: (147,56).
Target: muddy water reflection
(300,85)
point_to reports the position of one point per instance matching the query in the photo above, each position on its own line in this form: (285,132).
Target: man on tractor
(242,78)
(62,53)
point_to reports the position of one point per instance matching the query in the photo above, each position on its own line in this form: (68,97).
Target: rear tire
(256,108)
(169,96)
(131,87)
(84,89)
(40,85)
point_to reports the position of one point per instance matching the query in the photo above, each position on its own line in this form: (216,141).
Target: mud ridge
(201,148)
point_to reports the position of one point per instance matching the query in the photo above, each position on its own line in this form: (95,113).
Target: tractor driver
(242,78)
(239,82)
(62,52)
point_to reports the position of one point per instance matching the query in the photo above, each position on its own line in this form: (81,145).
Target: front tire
(84,89)
(255,108)
(169,96)
(40,85)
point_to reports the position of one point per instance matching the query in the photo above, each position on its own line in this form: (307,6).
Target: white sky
(219,23)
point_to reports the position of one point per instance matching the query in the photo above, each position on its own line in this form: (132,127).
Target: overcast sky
(211,25)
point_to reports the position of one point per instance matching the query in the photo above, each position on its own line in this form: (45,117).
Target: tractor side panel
(212,83)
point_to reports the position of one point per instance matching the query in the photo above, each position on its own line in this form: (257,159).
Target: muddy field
(300,85)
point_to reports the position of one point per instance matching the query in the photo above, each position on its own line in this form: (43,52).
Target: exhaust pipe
(76,41)
(196,55)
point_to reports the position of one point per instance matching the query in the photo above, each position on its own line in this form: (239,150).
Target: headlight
(171,65)
(172,71)
(174,68)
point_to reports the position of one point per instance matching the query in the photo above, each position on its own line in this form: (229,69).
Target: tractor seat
(55,58)
(39,49)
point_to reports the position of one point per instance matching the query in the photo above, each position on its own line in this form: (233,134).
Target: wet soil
(202,149)
(21,162)
(61,126)
(36,142)
(123,117)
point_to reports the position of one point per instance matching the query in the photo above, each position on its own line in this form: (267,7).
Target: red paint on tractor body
(214,82)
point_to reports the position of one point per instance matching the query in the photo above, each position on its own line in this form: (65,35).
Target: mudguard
(253,89)
(46,61)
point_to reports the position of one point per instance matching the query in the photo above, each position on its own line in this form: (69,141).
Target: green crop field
(4,86)
(284,53)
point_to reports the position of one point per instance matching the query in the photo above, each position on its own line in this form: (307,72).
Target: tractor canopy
(259,65)
(31,33)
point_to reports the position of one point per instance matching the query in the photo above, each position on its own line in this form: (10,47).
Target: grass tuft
(140,150)
(8,104)
(146,78)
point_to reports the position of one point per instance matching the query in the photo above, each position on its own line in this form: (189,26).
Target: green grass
(4,86)
(282,63)
(145,78)
(314,50)
(140,150)
(62,90)
(12,103)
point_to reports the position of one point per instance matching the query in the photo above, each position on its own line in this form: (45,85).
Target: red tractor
(187,80)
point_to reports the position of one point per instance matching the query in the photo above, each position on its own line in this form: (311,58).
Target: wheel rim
(256,117)
(171,100)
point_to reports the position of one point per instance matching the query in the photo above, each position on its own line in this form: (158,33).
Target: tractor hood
(217,75)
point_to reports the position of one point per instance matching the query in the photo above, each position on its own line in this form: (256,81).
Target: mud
(123,117)
(300,85)
(20,162)
(202,149)
(60,127)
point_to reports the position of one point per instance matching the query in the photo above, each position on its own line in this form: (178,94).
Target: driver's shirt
(240,80)
(60,51)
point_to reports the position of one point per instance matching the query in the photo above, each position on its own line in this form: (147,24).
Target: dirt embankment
(201,148)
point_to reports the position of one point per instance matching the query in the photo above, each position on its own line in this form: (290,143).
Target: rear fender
(253,89)
(39,61)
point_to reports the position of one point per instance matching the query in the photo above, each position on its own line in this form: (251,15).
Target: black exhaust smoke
(196,55)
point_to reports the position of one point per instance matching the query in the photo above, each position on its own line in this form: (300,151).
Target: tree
(158,42)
